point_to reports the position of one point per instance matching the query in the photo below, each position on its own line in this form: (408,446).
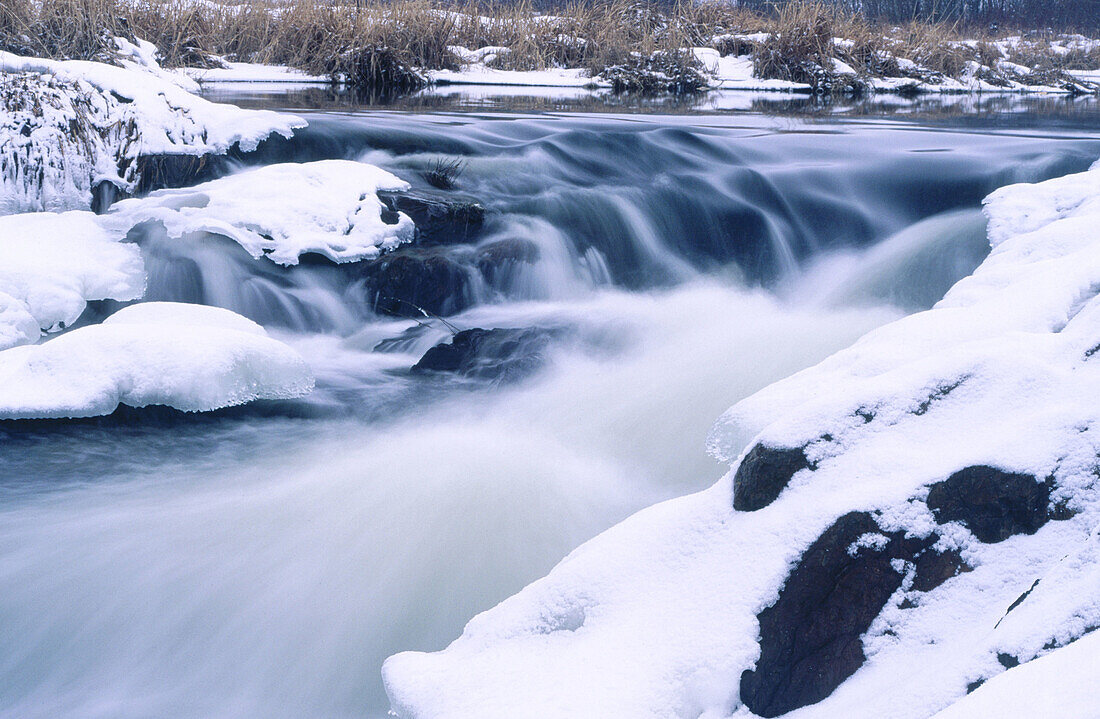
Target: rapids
(263,562)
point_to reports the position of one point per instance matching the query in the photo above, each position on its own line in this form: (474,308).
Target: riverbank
(624,46)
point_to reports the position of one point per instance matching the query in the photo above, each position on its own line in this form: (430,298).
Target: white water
(274,585)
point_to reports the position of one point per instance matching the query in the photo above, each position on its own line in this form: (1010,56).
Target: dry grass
(380,42)
(800,48)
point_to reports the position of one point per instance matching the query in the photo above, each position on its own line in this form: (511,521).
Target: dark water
(262,563)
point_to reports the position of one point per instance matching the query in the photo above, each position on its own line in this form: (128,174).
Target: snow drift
(922,505)
(190,357)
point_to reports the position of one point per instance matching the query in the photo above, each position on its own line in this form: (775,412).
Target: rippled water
(263,562)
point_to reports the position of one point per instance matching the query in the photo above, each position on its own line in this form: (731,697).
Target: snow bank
(70,124)
(52,264)
(189,357)
(329,207)
(662,616)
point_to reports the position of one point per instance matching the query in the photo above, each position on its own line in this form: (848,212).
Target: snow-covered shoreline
(729,73)
(74,125)
(914,432)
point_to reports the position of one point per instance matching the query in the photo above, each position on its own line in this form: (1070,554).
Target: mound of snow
(941,473)
(281,211)
(69,124)
(1062,683)
(52,264)
(190,357)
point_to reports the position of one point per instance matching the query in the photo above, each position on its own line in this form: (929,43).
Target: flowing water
(263,562)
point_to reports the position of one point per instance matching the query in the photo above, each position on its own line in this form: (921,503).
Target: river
(263,562)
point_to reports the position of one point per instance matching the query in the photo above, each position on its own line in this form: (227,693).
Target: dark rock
(934,568)
(106,193)
(991,503)
(810,638)
(763,474)
(409,279)
(1007,660)
(498,261)
(440,218)
(505,354)
(1017,602)
(1020,599)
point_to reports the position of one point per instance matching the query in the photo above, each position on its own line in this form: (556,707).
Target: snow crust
(657,616)
(52,264)
(328,207)
(122,113)
(190,357)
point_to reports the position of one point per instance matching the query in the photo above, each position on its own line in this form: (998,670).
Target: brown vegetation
(638,45)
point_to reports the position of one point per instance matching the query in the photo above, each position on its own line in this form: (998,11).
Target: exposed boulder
(498,261)
(810,639)
(991,503)
(505,354)
(763,474)
(409,279)
(440,218)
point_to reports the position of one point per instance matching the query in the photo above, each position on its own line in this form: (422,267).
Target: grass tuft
(444,173)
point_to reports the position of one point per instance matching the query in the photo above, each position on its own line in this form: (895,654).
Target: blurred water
(263,563)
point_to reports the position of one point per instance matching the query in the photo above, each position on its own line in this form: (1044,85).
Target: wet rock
(763,474)
(498,261)
(440,218)
(409,279)
(106,193)
(505,354)
(991,503)
(810,638)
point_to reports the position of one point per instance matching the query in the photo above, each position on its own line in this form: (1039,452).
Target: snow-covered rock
(190,357)
(52,264)
(918,513)
(329,207)
(70,124)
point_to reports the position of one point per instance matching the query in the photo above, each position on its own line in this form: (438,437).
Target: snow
(121,114)
(476,72)
(282,211)
(1062,683)
(189,357)
(249,72)
(169,119)
(657,616)
(52,264)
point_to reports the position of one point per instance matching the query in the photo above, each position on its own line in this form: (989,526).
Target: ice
(189,357)
(329,207)
(52,264)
